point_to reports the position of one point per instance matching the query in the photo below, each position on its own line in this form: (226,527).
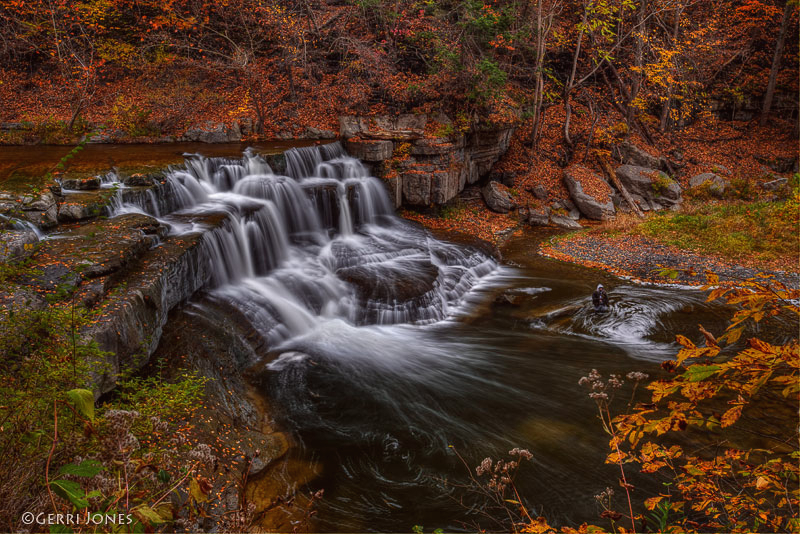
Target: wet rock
(652,186)
(84,205)
(40,209)
(16,244)
(138,180)
(593,206)
(81,184)
(715,183)
(102,247)
(497,197)
(276,162)
(509,299)
(387,284)
(565,222)
(263,449)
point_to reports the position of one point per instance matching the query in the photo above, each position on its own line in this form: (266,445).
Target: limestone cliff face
(419,169)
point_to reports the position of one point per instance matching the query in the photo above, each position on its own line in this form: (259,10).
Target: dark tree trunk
(776,63)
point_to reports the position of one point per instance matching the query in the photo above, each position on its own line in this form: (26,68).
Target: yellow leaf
(652,502)
(762,483)
(730,417)
(197,492)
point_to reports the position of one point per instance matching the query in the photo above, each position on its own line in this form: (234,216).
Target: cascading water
(317,245)
(15,223)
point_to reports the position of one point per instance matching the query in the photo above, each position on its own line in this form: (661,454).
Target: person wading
(600,299)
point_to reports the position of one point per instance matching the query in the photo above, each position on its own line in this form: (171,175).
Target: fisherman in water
(600,299)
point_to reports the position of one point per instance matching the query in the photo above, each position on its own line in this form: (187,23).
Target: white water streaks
(319,244)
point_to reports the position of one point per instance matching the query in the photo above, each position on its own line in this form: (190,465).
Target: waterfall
(317,245)
(15,223)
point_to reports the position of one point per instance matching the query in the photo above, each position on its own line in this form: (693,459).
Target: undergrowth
(762,231)
(61,451)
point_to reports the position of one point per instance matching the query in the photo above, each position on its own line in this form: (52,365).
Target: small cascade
(303,162)
(15,223)
(321,244)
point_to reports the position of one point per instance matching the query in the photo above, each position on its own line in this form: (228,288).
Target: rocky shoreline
(643,260)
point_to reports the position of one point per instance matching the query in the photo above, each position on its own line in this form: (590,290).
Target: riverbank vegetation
(757,233)
(735,238)
(66,449)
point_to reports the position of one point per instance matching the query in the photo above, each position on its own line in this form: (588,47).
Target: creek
(385,348)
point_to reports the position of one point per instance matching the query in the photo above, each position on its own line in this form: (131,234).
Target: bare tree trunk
(543,25)
(667,106)
(641,30)
(569,86)
(625,194)
(776,63)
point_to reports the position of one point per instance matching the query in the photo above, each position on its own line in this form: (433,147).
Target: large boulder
(715,183)
(497,197)
(539,216)
(657,189)
(562,221)
(590,193)
(633,155)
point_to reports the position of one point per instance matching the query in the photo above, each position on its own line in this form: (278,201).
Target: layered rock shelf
(422,169)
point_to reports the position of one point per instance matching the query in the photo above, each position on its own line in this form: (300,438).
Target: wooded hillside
(152,68)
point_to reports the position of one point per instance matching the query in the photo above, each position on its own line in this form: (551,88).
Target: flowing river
(389,349)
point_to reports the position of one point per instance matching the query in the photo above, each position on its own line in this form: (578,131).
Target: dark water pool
(380,407)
